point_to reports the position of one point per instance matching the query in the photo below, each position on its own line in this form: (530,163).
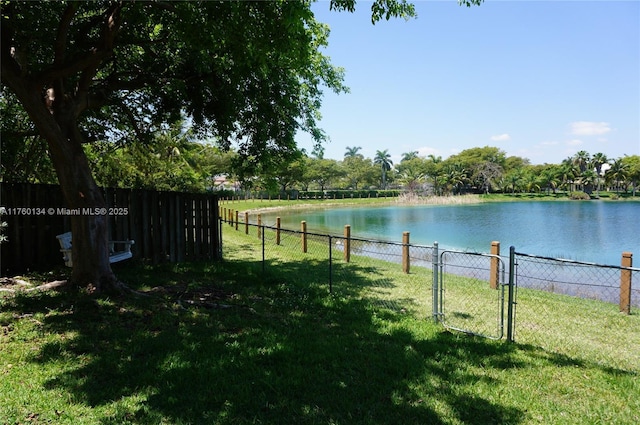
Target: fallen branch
(44,287)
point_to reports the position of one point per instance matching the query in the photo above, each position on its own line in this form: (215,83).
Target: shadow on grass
(279,352)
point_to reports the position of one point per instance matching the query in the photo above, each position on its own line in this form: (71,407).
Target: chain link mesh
(373,270)
(555,295)
(469,302)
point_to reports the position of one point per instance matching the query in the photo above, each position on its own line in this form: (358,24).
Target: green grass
(225,343)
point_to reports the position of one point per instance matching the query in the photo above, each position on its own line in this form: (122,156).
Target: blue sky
(537,79)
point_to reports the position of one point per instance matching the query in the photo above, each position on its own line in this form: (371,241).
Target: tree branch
(110,28)
(63,31)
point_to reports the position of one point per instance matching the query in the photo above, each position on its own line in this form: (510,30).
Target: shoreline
(403,200)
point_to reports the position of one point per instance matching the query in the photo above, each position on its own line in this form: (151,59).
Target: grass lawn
(225,343)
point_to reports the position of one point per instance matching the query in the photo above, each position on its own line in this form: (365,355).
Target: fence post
(434,285)
(259,225)
(625,283)
(406,264)
(303,225)
(237,220)
(246,223)
(277,230)
(494,278)
(512,268)
(347,243)
(330,265)
(261,232)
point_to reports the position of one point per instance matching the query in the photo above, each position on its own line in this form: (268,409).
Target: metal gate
(471,293)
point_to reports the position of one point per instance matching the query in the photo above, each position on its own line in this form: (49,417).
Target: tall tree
(632,165)
(383,159)
(550,177)
(413,173)
(582,160)
(486,174)
(359,170)
(247,73)
(598,160)
(352,152)
(407,156)
(569,172)
(86,71)
(617,174)
(323,171)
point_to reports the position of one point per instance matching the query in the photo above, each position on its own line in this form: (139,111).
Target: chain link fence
(389,275)
(567,307)
(578,308)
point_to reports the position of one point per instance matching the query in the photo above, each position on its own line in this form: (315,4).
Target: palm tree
(409,156)
(456,177)
(598,161)
(550,179)
(352,152)
(581,160)
(514,180)
(412,179)
(383,158)
(434,159)
(435,171)
(588,178)
(531,183)
(569,172)
(617,173)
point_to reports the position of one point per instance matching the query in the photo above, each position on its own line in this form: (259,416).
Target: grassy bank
(268,204)
(226,343)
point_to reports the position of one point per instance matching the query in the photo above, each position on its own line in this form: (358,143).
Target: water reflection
(592,231)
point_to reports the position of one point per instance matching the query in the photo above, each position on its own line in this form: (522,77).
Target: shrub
(579,195)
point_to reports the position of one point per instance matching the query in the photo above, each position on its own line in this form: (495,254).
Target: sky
(540,80)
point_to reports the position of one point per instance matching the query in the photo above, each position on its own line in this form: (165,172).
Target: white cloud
(549,143)
(426,151)
(574,142)
(501,138)
(589,128)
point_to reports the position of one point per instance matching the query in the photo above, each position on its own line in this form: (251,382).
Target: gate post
(434,284)
(510,312)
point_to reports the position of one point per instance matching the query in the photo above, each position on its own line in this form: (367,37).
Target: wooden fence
(166,226)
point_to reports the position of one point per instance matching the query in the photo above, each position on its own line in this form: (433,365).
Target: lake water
(594,231)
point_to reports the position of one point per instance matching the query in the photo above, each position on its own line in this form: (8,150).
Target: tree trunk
(90,245)
(90,250)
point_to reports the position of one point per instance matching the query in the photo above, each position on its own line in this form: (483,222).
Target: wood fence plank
(164,225)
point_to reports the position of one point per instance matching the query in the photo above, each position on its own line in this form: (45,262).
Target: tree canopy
(249,74)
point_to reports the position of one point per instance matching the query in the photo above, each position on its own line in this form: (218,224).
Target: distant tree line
(176,161)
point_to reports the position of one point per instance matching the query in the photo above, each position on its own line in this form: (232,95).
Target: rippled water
(593,231)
